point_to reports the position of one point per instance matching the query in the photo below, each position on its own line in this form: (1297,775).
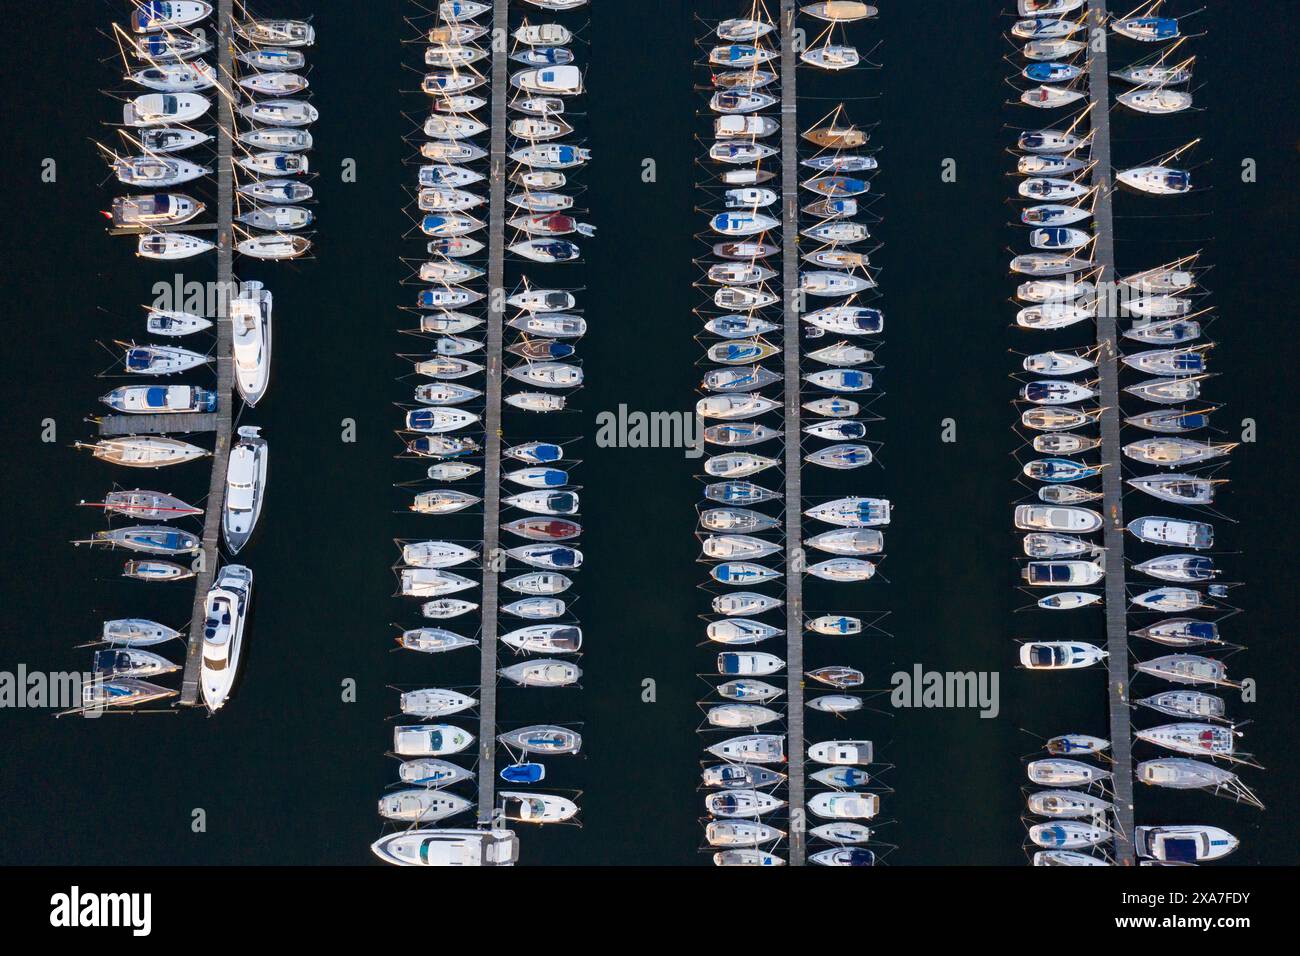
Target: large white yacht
(429,847)
(223,633)
(250,319)
(245,487)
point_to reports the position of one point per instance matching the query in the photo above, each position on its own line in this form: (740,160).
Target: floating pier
(793,451)
(114,426)
(492,420)
(1121,736)
(225,107)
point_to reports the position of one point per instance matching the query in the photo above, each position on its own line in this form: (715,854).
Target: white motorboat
(1050,97)
(1060,772)
(436,554)
(848,541)
(273,58)
(539,583)
(853,512)
(542,672)
(136,632)
(836,703)
(1057,519)
(280,112)
(156,171)
(543,739)
(170,246)
(435,702)
(283,139)
(1059,655)
(281,33)
(1158,100)
(545,639)
(161,46)
(160,399)
(740,833)
(446,847)
(845,806)
(540,808)
(273,246)
(549,81)
(446,608)
(729,804)
(152,15)
(430,740)
(145,451)
(843,832)
(1068,835)
(431,582)
(842,753)
(225,616)
(1156,180)
(1198,739)
(161,360)
(751,749)
(421,806)
(274,84)
(843,570)
(749,663)
(1173,532)
(839,11)
(1185,844)
(250,319)
(245,487)
(155,210)
(157,109)
(175,77)
(274,163)
(740,630)
(1066,804)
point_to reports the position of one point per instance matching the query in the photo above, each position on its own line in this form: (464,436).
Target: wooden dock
(492,421)
(793,450)
(1112,472)
(114,426)
(225,363)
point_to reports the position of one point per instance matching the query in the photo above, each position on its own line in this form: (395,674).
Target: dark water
(289,773)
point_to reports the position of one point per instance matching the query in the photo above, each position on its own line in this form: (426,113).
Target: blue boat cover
(523,772)
(1180,850)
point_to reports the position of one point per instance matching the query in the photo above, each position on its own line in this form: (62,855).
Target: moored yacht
(225,617)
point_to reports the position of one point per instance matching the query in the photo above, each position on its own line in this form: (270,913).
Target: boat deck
(1112,473)
(225,363)
(793,460)
(114,426)
(487,707)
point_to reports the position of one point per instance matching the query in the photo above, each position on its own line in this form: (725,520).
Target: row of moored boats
(748,819)
(160,411)
(1170,453)
(537,641)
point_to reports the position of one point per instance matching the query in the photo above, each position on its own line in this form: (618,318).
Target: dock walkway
(1112,472)
(492,421)
(793,451)
(225,362)
(114,426)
